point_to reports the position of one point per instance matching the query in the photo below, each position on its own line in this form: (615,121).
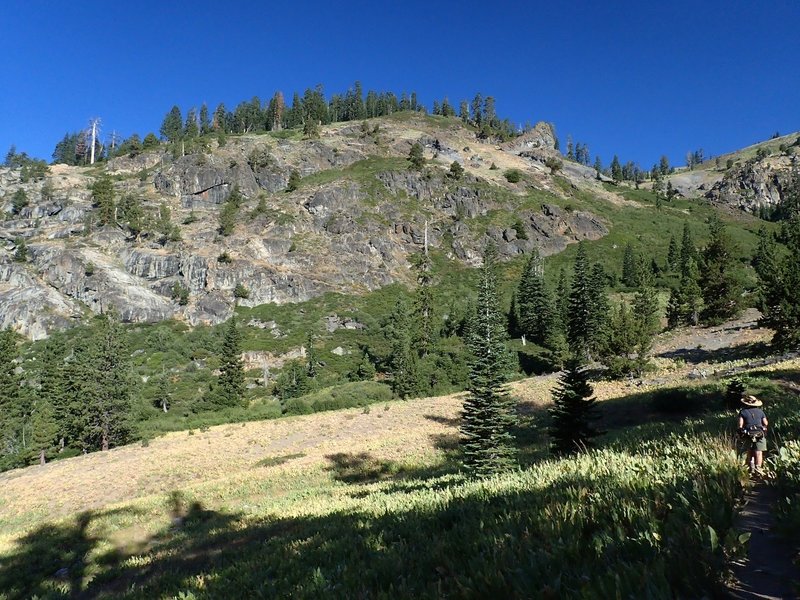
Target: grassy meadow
(370,503)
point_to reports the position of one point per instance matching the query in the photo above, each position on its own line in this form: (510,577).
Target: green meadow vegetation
(648,513)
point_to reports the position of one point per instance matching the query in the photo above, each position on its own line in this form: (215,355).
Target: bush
(19,201)
(348,395)
(240,291)
(224,258)
(554,165)
(294,181)
(513,175)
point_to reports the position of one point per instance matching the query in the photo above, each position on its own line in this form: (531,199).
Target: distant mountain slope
(752,179)
(351,224)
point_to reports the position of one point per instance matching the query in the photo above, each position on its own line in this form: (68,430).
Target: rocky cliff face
(756,184)
(350,227)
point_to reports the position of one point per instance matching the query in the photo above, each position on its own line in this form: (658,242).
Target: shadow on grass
(449,421)
(484,542)
(475,541)
(753,350)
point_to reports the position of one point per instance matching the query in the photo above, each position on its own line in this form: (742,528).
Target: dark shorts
(760,445)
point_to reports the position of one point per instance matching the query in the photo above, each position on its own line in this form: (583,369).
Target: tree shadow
(448,421)
(53,559)
(535,364)
(484,542)
(752,350)
(361,467)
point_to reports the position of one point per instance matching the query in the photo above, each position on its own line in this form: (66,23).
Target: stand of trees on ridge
(305,111)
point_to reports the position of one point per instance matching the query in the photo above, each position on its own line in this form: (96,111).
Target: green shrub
(348,395)
(513,175)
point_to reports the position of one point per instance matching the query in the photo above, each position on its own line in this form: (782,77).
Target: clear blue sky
(638,79)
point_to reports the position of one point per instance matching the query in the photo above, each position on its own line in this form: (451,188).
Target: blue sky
(636,79)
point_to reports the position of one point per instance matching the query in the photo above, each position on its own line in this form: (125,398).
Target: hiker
(753,429)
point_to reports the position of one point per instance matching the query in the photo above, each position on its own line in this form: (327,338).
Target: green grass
(647,514)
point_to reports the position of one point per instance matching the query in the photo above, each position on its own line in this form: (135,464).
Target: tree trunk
(42,459)
(164,405)
(104,441)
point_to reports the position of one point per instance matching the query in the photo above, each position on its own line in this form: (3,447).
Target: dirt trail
(768,571)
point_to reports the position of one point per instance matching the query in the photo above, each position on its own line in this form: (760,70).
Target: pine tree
(190,128)
(477,105)
(230,385)
(765,258)
(720,287)
(673,261)
(108,393)
(11,402)
(562,302)
(205,122)
(674,309)
(616,169)
(580,305)
(365,370)
(630,267)
(423,304)
(598,167)
(20,250)
(227,218)
(620,341)
(690,294)
(645,314)
(688,250)
(534,303)
(487,417)
(51,383)
(572,411)
(103,199)
(150,141)
(599,307)
(293,382)
(779,284)
(44,431)
(415,157)
(463,111)
(402,358)
(172,126)
(219,118)
(19,201)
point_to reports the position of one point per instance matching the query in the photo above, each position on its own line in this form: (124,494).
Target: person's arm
(741,422)
(764,422)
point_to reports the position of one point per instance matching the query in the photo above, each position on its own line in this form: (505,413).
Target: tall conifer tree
(487,417)
(230,386)
(779,276)
(719,284)
(403,360)
(11,402)
(572,411)
(534,303)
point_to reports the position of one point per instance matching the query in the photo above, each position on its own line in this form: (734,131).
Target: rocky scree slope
(349,227)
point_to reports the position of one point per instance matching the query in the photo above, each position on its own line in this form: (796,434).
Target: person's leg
(750,457)
(759,458)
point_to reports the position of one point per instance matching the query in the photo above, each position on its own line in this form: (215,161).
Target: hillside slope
(358,212)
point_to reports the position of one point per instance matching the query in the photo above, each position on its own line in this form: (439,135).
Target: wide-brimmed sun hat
(751,401)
